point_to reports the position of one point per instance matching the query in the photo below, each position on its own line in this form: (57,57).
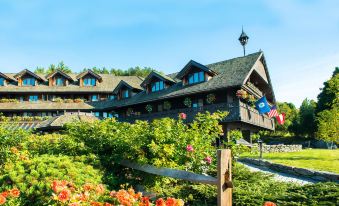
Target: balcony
(242,113)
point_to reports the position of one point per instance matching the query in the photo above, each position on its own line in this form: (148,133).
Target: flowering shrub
(32,175)
(9,196)
(66,193)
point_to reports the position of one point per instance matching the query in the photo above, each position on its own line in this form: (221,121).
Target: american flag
(273,112)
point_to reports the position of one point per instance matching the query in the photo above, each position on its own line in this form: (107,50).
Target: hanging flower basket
(129,111)
(241,94)
(188,102)
(149,108)
(210,98)
(167,105)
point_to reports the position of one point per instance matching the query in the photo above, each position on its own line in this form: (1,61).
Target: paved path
(278,175)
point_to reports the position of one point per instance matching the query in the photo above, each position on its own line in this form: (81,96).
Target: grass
(318,159)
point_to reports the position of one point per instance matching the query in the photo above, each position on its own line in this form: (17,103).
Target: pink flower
(182,116)
(208,159)
(189,148)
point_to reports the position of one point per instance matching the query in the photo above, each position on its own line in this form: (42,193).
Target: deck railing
(237,112)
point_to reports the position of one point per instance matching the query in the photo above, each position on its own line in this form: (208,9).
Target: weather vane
(243,39)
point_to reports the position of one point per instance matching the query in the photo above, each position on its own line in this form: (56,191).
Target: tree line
(314,119)
(133,71)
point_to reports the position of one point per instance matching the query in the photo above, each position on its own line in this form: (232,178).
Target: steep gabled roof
(82,74)
(26,71)
(231,73)
(61,73)
(157,75)
(191,64)
(6,76)
(133,83)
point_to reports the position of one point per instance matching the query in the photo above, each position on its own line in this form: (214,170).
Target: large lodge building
(130,98)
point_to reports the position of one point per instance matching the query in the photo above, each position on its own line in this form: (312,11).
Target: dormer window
(196,77)
(125,94)
(89,81)
(60,81)
(29,81)
(194,73)
(2,81)
(157,86)
(156,81)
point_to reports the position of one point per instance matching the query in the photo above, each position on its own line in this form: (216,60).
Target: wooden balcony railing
(242,113)
(252,116)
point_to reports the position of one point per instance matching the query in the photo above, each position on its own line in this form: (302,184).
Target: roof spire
(243,39)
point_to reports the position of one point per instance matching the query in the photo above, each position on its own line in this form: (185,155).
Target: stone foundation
(281,148)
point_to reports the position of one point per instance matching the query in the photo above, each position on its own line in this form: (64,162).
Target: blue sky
(299,38)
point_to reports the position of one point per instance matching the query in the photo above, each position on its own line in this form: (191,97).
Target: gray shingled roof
(108,84)
(59,72)
(159,75)
(60,121)
(231,73)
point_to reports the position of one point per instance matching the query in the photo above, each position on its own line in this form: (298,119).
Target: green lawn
(318,159)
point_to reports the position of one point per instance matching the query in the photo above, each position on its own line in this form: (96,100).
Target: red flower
(14,192)
(5,193)
(189,148)
(208,159)
(64,195)
(182,116)
(145,201)
(170,201)
(2,200)
(160,202)
(96,204)
(269,204)
(107,204)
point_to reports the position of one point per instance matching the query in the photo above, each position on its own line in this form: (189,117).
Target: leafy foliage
(329,93)
(60,66)
(33,176)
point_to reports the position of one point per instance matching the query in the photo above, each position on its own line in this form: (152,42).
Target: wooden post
(224,183)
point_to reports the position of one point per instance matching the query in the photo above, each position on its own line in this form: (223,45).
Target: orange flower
(88,187)
(269,204)
(107,204)
(84,196)
(74,204)
(96,204)
(5,193)
(170,201)
(14,192)
(160,202)
(100,189)
(2,200)
(64,195)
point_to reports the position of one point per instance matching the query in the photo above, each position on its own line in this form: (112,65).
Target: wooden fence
(223,180)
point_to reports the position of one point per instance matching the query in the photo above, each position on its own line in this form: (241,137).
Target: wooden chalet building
(196,88)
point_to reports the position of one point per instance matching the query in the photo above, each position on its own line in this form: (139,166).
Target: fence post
(224,182)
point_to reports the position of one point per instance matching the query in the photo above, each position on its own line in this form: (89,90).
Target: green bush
(55,144)
(9,139)
(33,176)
